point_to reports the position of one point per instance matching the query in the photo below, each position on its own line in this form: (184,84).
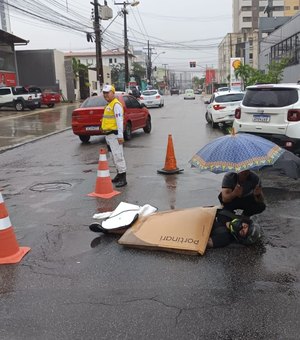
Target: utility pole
(166,79)
(124,11)
(149,62)
(97,29)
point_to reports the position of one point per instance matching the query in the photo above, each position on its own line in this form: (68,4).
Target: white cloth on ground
(124,214)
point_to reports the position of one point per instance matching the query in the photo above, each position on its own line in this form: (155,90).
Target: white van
(271,111)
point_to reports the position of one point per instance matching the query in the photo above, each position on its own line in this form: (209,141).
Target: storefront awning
(8,38)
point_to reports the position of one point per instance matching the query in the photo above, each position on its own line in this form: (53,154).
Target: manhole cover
(53,186)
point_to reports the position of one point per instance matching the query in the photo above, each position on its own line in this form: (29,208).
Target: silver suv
(271,111)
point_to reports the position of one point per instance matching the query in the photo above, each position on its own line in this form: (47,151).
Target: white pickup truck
(19,98)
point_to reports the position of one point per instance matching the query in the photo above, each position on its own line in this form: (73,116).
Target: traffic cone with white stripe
(104,187)
(10,252)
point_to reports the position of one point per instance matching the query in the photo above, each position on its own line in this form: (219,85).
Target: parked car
(189,94)
(152,98)
(18,97)
(48,97)
(221,89)
(174,90)
(221,107)
(87,119)
(273,112)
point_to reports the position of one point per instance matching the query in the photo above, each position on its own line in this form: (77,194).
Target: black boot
(116,178)
(122,180)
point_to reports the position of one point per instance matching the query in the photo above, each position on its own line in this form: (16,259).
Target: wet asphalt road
(75,284)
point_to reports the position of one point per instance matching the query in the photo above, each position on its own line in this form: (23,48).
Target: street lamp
(150,67)
(124,11)
(158,56)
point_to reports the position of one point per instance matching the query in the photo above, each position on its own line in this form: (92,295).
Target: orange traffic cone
(10,252)
(170,163)
(104,187)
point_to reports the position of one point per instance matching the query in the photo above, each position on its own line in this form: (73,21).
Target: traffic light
(192,64)
(89,37)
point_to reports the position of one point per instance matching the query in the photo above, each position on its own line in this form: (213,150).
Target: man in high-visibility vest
(112,125)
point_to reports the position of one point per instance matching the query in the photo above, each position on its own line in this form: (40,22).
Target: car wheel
(148,126)
(19,106)
(127,131)
(213,124)
(50,105)
(84,139)
(207,117)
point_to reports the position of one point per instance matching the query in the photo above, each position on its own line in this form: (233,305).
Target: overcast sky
(184,30)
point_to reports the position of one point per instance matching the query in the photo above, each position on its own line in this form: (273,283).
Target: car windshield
(94,102)
(149,93)
(232,97)
(189,91)
(270,97)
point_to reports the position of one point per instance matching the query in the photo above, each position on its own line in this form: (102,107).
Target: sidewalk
(11,112)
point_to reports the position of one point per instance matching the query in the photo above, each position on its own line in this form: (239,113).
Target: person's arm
(228,194)
(118,111)
(258,193)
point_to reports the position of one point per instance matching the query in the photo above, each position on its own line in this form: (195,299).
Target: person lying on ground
(242,191)
(226,230)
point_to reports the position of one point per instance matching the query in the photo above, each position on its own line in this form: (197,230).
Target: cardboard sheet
(184,230)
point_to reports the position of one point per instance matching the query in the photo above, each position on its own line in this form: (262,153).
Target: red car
(48,97)
(87,119)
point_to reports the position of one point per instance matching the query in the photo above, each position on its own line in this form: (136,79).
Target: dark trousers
(248,204)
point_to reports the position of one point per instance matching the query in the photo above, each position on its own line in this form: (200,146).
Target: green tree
(196,82)
(250,75)
(275,70)
(138,72)
(118,76)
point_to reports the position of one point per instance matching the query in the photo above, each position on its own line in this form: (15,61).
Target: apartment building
(253,20)
(237,45)
(291,7)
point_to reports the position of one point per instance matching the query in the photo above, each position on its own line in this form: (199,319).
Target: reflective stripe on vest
(109,122)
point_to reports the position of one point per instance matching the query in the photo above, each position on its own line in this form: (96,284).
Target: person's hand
(238,191)
(121,140)
(257,190)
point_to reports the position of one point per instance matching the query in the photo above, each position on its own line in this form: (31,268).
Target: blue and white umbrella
(237,152)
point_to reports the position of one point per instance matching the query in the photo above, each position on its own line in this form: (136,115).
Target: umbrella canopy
(236,152)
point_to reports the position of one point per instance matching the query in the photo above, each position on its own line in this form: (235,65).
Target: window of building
(246,8)
(250,55)
(7,60)
(94,85)
(115,60)
(110,60)
(296,8)
(247,19)
(287,48)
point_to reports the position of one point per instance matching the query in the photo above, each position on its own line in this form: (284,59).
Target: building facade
(237,45)
(4,17)
(246,13)
(283,43)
